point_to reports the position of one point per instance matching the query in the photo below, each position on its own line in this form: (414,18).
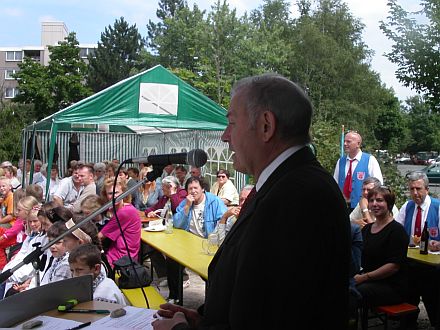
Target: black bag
(127,277)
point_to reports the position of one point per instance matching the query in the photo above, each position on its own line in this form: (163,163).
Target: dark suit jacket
(285,262)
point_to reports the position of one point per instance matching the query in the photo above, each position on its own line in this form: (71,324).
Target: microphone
(195,157)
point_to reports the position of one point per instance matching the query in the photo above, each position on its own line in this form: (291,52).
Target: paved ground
(404,169)
(193,296)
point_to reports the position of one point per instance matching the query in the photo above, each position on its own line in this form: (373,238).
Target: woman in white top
(225,189)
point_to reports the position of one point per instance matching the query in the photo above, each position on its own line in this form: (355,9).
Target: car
(403,160)
(433,173)
(434,161)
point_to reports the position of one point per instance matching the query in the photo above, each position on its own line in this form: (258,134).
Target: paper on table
(54,323)
(136,318)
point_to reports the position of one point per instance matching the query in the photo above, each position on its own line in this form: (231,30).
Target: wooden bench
(136,298)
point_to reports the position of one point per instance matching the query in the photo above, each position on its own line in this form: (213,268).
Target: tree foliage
(416,48)
(12,120)
(424,125)
(56,86)
(117,54)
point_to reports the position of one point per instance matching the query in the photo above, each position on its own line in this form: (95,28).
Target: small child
(14,235)
(58,269)
(88,233)
(27,208)
(85,259)
(7,206)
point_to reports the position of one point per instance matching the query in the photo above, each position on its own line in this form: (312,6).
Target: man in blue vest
(423,279)
(353,168)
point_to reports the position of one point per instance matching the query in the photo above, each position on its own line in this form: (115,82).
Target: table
(183,247)
(85,317)
(427,259)
(144,218)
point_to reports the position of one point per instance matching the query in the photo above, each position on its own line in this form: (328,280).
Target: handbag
(131,275)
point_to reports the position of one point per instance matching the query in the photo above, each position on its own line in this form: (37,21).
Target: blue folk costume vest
(360,173)
(431,218)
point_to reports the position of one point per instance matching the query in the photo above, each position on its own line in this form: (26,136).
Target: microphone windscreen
(197,157)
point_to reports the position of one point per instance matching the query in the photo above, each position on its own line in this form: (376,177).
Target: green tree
(269,45)
(56,86)
(416,47)
(423,124)
(117,54)
(389,128)
(221,61)
(13,117)
(176,39)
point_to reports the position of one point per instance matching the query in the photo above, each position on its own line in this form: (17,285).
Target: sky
(20,23)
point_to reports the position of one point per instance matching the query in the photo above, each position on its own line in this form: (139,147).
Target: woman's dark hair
(225,172)
(56,229)
(387,194)
(86,253)
(191,179)
(54,212)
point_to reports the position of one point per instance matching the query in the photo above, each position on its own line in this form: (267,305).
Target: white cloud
(11,12)
(47,18)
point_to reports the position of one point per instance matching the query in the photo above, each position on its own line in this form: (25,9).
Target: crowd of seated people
(383,275)
(28,218)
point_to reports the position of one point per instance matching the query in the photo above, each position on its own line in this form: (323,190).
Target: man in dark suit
(286,260)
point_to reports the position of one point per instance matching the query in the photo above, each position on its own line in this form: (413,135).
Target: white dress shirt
(373,167)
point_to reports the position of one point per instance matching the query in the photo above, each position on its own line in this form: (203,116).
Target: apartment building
(10,57)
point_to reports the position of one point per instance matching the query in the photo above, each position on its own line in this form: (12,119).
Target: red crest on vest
(360,176)
(433,231)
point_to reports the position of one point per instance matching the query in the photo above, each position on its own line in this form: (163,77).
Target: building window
(85,52)
(11,92)
(14,56)
(9,73)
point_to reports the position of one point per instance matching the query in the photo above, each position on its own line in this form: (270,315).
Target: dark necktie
(248,200)
(347,183)
(418,225)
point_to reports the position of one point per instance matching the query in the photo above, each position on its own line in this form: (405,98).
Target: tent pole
(53,139)
(23,156)
(31,173)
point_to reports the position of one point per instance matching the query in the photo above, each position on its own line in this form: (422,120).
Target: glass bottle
(424,238)
(169,222)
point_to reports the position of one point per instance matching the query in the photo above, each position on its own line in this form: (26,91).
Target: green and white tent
(152,112)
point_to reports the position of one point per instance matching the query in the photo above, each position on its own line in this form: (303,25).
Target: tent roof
(155,100)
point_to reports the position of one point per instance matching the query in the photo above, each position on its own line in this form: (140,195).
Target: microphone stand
(39,250)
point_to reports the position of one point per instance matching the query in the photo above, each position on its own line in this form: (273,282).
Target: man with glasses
(414,214)
(353,168)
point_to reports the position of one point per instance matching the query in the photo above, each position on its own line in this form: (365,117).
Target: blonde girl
(15,235)
(27,209)
(149,193)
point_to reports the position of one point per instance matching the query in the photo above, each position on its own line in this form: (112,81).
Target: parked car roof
(433,173)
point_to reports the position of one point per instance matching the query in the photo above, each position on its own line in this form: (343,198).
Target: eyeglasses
(221,176)
(386,188)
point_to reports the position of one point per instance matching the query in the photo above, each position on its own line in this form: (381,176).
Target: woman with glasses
(225,189)
(384,266)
